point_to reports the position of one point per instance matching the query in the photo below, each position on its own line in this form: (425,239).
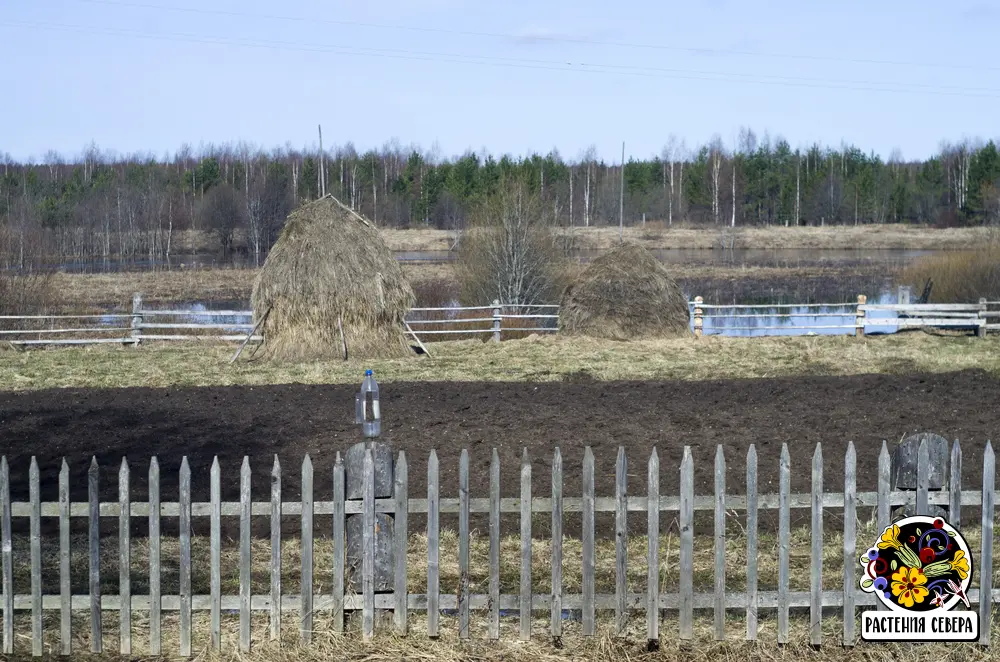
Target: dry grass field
(656,234)
(535,358)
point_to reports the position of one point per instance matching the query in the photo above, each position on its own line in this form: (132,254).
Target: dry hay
(624,294)
(331,267)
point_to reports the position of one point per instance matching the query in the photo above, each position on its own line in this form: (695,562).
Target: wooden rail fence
(652,600)
(145,324)
(847,318)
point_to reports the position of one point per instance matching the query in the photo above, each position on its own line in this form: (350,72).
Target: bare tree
(588,159)
(671,151)
(221,213)
(716,153)
(511,252)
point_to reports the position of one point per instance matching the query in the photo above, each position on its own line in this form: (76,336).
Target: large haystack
(330,268)
(624,294)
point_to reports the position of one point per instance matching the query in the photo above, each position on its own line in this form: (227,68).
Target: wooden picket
(494,599)
(557,536)
(124,565)
(306,609)
(986,562)
(155,599)
(433,547)
(751,543)
(36,561)
(588,615)
(65,588)
(463,545)
(400,540)
(850,545)
(215,563)
(184,566)
(816,560)
(8,563)
(275,612)
(653,548)
(245,560)
(687,546)
(524,603)
(621,540)
(652,599)
(784,536)
(720,544)
(93,476)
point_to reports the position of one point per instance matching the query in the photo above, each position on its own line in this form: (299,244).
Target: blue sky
(511,77)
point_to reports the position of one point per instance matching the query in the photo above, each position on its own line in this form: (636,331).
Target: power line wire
(524,63)
(549,38)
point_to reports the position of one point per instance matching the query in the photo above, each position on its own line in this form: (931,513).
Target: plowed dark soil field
(292,420)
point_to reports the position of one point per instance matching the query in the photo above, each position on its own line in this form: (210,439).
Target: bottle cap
(368,373)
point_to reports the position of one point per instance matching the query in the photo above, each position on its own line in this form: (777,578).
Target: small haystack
(331,280)
(625,294)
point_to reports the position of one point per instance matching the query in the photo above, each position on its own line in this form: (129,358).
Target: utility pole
(621,201)
(322,164)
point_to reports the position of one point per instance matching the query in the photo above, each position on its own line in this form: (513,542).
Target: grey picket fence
(526,602)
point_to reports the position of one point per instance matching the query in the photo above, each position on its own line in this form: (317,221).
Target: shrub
(511,252)
(957,276)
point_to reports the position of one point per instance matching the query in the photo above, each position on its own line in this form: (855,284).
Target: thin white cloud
(536,34)
(978,11)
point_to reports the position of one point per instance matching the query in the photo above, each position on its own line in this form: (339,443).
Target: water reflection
(795,320)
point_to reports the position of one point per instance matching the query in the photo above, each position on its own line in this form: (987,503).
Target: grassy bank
(532,359)
(658,235)
(845,237)
(74,291)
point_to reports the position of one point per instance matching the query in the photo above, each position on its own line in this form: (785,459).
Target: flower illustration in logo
(908,586)
(918,564)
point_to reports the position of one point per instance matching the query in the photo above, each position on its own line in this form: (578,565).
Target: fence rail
(141,325)
(493,326)
(503,320)
(859,317)
(527,603)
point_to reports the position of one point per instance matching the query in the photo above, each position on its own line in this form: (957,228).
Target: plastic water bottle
(366,408)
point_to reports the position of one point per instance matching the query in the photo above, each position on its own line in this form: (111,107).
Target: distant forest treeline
(103,205)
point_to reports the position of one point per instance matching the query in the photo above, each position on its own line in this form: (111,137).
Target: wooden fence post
(859,320)
(94,538)
(752,543)
(497,319)
(699,320)
(463,545)
(557,528)
(720,544)
(588,565)
(986,558)
(784,544)
(6,551)
(433,547)
(850,541)
(981,330)
(686,558)
(653,550)
(816,558)
(136,330)
(66,596)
